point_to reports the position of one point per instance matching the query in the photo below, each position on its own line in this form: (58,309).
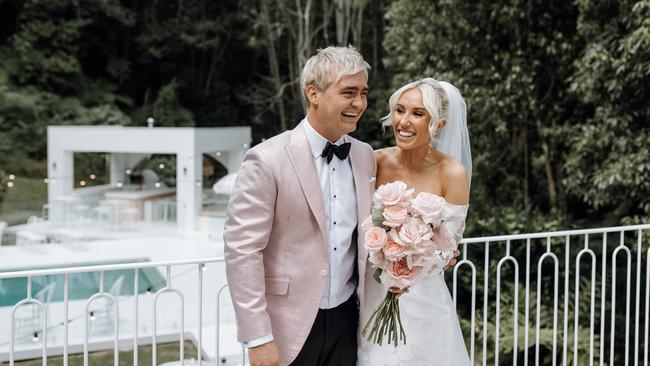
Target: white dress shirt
(340,199)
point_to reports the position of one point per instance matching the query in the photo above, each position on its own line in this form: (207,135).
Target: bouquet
(406,237)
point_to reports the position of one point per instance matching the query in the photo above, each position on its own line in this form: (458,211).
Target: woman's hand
(398,291)
(452,262)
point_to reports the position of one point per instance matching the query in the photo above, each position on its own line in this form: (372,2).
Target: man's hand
(264,355)
(452,262)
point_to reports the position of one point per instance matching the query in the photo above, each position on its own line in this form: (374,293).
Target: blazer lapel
(302,161)
(362,186)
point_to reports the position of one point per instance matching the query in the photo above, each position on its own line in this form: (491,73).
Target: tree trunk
(357,24)
(342,18)
(273,64)
(325,16)
(550,175)
(524,141)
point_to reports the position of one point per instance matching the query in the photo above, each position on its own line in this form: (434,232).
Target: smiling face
(411,121)
(335,111)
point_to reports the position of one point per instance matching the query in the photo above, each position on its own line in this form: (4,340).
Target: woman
(432,155)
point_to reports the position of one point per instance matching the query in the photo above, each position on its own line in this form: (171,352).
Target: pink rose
(444,240)
(430,207)
(414,231)
(424,258)
(378,259)
(390,194)
(426,231)
(375,239)
(409,233)
(395,216)
(398,274)
(392,249)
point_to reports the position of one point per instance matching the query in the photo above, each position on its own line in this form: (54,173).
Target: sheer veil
(453,139)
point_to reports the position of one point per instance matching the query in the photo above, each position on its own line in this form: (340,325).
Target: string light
(218,153)
(204,268)
(157,184)
(244,145)
(10,184)
(161,166)
(12,177)
(46,181)
(92,316)
(82,183)
(198,183)
(128,172)
(119,184)
(35,337)
(93,176)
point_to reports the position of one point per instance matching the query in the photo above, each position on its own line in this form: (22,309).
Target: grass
(24,199)
(166,352)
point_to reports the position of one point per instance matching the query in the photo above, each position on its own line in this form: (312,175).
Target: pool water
(80,285)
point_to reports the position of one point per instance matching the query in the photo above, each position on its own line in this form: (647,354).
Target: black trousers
(332,340)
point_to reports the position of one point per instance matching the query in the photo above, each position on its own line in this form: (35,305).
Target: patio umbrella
(226,184)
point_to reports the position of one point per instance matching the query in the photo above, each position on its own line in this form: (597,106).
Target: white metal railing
(584,253)
(199,265)
(517,261)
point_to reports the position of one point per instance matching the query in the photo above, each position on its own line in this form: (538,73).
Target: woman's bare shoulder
(381,155)
(455,184)
(452,170)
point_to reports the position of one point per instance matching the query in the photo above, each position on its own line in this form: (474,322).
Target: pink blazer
(275,238)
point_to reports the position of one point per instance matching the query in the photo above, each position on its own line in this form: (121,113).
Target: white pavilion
(127,146)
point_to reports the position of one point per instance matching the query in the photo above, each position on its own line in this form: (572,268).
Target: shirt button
(334,222)
(334,196)
(323,272)
(334,248)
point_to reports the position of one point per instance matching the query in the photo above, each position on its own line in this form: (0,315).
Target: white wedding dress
(433,334)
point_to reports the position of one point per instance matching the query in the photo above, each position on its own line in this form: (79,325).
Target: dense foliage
(557,103)
(609,165)
(556,90)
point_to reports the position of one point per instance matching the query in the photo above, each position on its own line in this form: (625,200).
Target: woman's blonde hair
(434,98)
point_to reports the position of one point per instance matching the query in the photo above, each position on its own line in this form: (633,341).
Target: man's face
(338,108)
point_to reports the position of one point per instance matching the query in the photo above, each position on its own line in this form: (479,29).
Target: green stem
(385,321)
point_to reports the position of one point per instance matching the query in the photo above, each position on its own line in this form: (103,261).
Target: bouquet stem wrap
(385,321)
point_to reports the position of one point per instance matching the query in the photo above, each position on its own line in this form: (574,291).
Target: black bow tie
(341,151)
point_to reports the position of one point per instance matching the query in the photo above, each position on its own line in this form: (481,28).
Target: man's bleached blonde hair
(329,65)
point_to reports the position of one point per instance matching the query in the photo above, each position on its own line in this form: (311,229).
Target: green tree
(42,79)
(512,63)
(194,48)
(612,78)
(168,110)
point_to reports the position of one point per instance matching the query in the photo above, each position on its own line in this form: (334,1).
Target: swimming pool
(80,285)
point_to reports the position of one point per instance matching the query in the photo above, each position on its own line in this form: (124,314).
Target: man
(292,243)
